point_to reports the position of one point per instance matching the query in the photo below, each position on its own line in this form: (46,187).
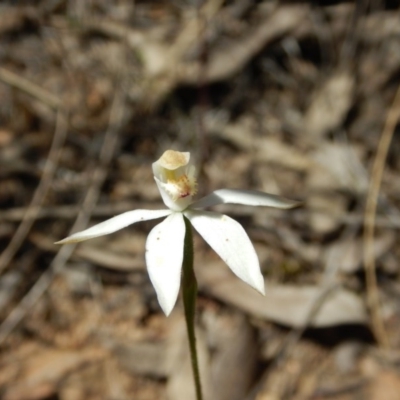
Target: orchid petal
(230,241)
(244,197)
(115,224)
(164,256)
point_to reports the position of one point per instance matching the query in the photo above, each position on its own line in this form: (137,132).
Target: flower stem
(189,289)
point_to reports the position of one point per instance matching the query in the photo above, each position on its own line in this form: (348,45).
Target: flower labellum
(175,178)
(176,181)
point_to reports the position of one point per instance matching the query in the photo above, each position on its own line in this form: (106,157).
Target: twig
(92,195)
(30,88)
(40,193)
(61,128)
(294,336)
(369,221)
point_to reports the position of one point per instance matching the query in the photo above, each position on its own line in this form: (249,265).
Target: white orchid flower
(175,178)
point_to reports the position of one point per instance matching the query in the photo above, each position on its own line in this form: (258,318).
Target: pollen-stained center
(180,187)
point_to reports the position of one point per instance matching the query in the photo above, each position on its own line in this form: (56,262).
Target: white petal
(164,256)
(230,241)
(115,224)
(245,197)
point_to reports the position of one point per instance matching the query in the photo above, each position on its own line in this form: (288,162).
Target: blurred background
(296,99)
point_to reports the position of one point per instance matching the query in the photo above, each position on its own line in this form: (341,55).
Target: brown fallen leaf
(43,369)
(265,150)
(285,304)
(347,253)
(385,386)
(233,343)
(328,205)
(144,358)
(330,104)
(102,256)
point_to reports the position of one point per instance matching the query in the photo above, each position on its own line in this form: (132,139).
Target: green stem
(189,289)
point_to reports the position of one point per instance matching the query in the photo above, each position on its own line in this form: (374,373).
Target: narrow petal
(115,224)
(230,241)
(164,256)
(245,197)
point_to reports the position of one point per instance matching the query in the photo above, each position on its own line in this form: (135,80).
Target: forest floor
(298,100)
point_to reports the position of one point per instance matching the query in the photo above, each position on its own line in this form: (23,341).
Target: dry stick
(30,88)
(100,173)
(33,209)
(369,221)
